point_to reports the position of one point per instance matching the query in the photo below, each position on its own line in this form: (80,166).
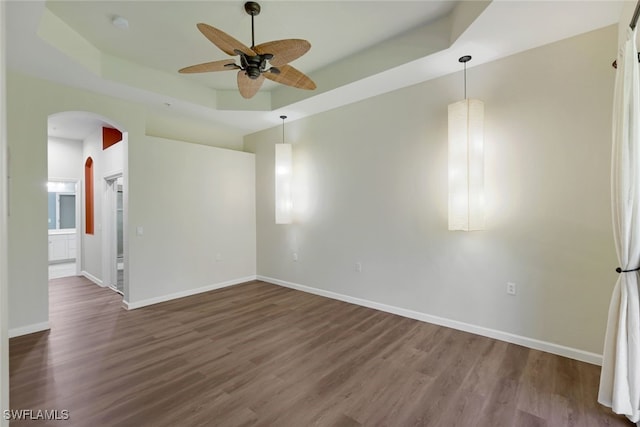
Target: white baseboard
(560,350)
(138,304)
(93,278)
(29,329)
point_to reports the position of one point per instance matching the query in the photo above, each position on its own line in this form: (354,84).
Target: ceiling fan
(267,60)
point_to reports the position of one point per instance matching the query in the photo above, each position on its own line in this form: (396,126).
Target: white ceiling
(163,34)
(359,48)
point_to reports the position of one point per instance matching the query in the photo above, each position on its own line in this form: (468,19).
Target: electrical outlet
(295,256)
(511,288)
(359,267)
(218,257)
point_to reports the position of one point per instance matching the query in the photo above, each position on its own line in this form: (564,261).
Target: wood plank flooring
(258,354)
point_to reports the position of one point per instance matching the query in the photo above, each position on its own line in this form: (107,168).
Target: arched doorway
(89,151)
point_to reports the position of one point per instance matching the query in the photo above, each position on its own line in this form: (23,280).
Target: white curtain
(620,376)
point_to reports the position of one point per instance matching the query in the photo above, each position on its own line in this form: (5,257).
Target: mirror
(61,205)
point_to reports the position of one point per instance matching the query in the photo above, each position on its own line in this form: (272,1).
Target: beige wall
(372,188)
(199,223)
(4,303)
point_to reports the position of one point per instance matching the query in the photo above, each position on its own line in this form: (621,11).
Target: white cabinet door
(57,248)
(62,246)
(71,246)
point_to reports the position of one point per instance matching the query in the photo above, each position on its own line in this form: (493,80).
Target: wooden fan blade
(249,87)
(291,77)
(223,65)
(224,41)
(283,51)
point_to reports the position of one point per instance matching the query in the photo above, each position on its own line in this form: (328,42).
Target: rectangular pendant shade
(466,165)
(283,172)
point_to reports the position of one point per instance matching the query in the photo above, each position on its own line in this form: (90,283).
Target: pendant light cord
(465,80)
(283,117)
(464,60)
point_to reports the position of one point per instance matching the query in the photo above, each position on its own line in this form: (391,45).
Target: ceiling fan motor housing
(253,72)
(254,65)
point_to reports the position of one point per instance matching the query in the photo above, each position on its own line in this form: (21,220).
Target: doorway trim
(109,227)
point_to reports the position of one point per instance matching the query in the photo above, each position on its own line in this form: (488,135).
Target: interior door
(113,234)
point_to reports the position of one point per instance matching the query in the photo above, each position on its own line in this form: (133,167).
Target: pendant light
(466,162)
(283,173)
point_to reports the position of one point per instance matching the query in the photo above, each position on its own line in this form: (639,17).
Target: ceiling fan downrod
(253,9)
(254,66)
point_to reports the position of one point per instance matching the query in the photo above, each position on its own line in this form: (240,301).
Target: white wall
(64,158)
(372,188)
(198,220)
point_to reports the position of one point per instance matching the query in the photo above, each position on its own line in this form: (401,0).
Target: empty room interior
(239,213)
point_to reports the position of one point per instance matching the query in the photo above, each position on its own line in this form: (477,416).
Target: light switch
(139,230)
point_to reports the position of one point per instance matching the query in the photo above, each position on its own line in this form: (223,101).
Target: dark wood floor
(259,354)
